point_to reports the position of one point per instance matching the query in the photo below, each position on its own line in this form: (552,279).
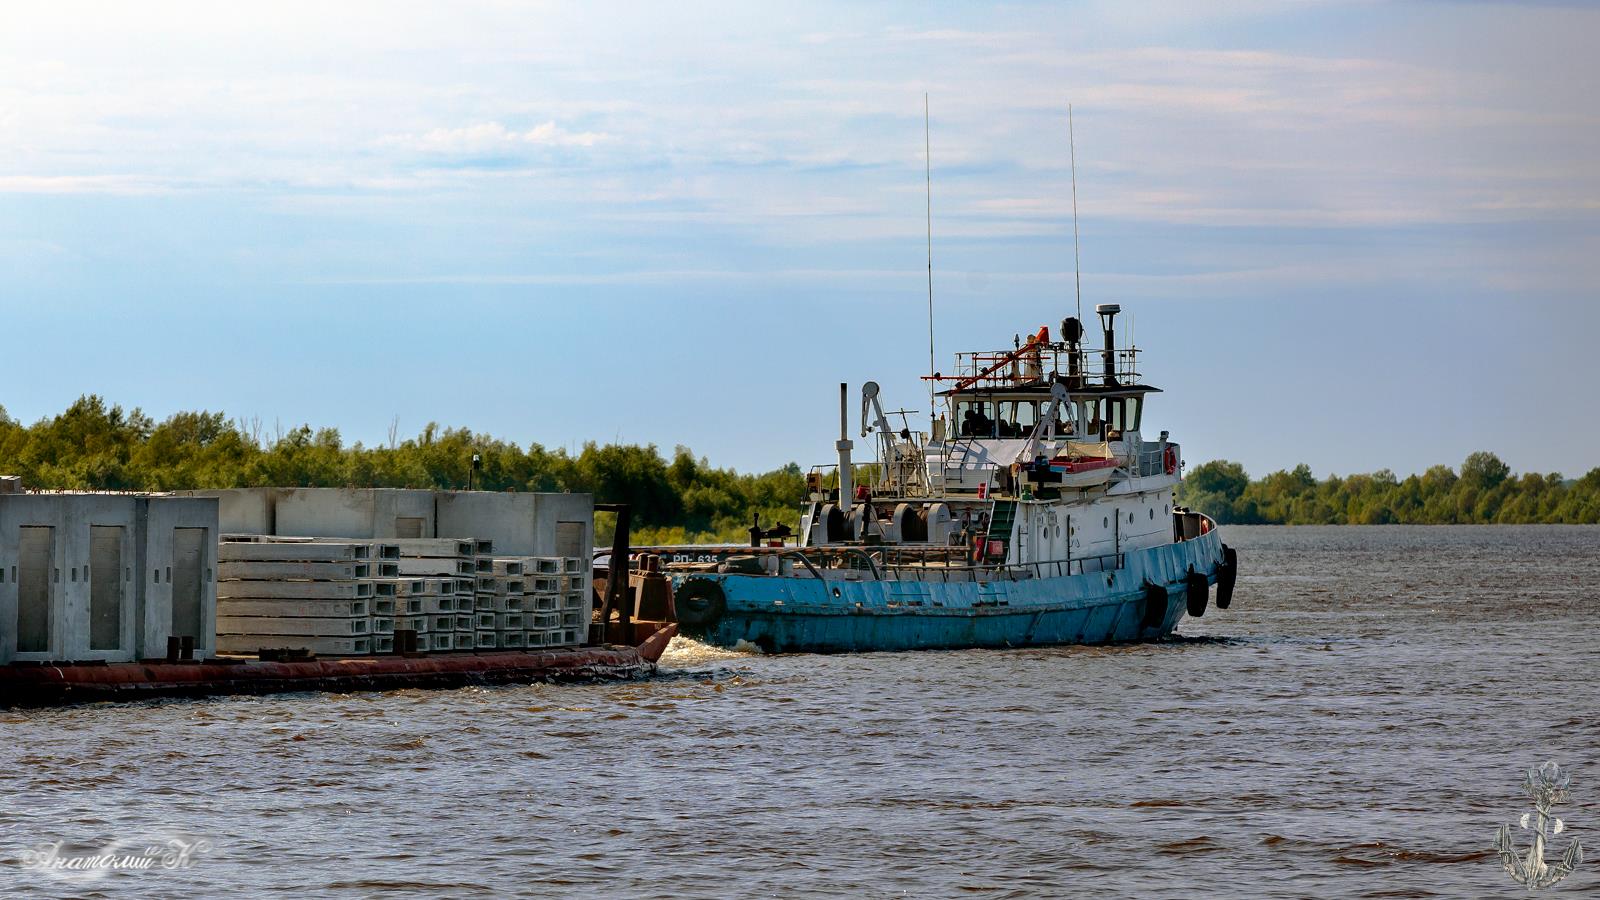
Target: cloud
(493,139)
(83,184)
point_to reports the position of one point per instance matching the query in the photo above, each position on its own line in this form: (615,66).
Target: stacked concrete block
(305,595)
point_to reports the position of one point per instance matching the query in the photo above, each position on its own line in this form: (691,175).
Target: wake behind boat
(1036,512)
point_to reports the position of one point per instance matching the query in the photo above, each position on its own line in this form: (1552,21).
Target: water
(1355,726)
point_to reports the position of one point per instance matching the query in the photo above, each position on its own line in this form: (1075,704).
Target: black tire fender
(1155,606)
(699,601)
(1227,574)
(1199,593)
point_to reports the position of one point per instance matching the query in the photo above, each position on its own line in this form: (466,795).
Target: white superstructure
(1034,462)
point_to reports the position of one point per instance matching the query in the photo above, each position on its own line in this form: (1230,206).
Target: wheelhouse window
(1120,414)
(975,418)
(1017,417)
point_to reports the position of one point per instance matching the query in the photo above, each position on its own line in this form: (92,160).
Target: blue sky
(1351,234)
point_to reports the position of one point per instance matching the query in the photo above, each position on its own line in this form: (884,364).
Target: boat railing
(1007,368)
(1075,565)
(1152,459)
(940,564)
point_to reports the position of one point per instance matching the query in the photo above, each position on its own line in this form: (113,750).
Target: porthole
(1152,513)
(1130,518)
(1105,522)
(1166,509)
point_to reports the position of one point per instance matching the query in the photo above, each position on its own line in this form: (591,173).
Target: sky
(1351,234)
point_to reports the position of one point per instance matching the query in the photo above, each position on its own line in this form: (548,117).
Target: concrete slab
(293,590)
(242,551)
(309,627)
(437,566)
(331,570)
(419,624)
(322,646)
(294,609)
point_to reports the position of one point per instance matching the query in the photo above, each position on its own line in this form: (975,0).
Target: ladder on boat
(1002,524)
(963,446)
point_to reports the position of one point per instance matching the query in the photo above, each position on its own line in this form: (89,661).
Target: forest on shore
(1484,492)
(96,446)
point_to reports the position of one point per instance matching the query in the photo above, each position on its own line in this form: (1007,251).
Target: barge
(123,596)
(53,683)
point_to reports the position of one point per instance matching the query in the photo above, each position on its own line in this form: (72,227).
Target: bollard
(186,648)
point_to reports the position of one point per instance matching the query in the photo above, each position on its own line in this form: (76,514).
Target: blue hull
(804,614)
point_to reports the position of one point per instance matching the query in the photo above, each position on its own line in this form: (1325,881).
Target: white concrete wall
(519,524)
(147,524)
(241,510)
(350,512)
(163,515)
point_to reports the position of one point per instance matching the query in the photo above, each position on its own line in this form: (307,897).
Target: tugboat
(1035,512)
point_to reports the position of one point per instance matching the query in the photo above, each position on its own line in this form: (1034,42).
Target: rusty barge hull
(57,685)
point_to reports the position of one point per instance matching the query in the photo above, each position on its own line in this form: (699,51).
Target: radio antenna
(1077,277)
(927,173)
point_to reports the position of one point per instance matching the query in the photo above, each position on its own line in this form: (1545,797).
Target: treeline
(1485,492)
(93,446)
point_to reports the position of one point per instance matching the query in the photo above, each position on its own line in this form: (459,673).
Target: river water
(1355,726)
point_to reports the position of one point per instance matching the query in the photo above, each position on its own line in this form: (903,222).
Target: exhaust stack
(846,489)
(1108,318)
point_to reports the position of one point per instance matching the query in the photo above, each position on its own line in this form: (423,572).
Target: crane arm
(1046,425)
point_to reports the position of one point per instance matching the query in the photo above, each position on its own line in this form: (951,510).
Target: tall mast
(927,173)
(1077,278)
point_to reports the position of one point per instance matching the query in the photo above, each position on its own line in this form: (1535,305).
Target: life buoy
(1170,458)
(1198,592)
(978,540)
(699,601)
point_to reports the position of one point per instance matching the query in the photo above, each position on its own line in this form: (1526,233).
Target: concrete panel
(107,596)
(508,520)
(180,538)
(35,587)
(240,551)
(328,646)
(296,571)
(294,590)
(294,609)
(311,627)
(240,510)
(353,512)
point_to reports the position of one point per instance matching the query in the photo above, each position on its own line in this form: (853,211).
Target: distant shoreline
(1485,492)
